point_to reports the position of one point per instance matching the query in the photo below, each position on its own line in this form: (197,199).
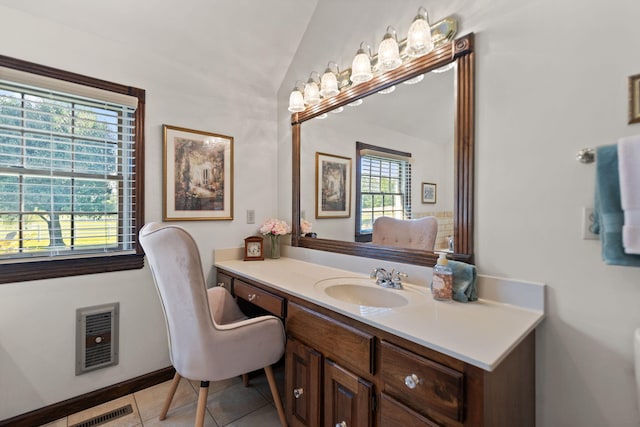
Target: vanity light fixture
(361,66)
(329,81)
(388,51)
(296,100)
(311,90)
(387,90)
(419,41)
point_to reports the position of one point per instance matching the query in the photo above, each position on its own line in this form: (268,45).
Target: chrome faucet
(385,279)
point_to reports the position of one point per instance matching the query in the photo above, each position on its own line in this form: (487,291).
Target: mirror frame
(460,51)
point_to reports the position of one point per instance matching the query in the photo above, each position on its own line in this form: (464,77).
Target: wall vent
(96,337)
(106,417)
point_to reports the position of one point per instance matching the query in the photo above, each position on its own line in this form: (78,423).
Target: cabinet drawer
(335,340)
(420,383)
(268,301)
(394,413)
(225,281)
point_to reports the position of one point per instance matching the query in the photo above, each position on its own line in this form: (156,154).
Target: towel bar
(586,155)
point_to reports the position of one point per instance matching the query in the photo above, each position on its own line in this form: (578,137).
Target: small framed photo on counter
(634,99)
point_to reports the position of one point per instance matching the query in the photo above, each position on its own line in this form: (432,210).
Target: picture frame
(197,175)
(333,186)
(254,248)
(634,99)
(429,192)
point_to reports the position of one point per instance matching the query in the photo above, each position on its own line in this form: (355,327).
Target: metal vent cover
(107,417)
(97,337)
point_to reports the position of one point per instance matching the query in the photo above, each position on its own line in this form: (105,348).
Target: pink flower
(275,227)
(305,226)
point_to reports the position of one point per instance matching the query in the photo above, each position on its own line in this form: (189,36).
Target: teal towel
(465,288)
(608,217)
(464,281)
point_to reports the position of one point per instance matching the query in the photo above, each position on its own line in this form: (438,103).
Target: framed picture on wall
(197,175)
(428,192)
(634,99)
(333,186)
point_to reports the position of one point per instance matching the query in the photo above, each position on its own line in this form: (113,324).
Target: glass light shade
(361,67)
(296,101)
(387,90)
(311,93)
(329,85)
(419,40)
(389,53)
(337,110)
(416,79)
(322,116)
(355,103)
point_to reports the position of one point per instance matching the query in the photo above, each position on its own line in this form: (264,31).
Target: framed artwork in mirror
(429,192)
(333,186)
(197,175)
(634,99)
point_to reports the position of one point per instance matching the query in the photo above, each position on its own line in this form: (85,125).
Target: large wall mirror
(426,123)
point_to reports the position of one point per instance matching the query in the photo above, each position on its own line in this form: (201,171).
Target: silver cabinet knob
(342,424)
(251,297)
(297,392)
(221,284)
(412,381)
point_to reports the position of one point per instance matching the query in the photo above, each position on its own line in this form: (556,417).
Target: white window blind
(385,188)
(67,175)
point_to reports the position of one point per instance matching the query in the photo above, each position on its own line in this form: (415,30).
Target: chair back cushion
(174,260)
(411,234)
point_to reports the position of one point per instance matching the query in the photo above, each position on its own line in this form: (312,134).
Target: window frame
(360,146)
(25,269)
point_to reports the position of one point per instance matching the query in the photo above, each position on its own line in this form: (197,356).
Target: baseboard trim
(80,403)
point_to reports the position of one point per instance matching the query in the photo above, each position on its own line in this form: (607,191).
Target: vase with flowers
(274,228)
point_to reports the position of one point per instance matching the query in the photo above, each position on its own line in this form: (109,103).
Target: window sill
(38,270)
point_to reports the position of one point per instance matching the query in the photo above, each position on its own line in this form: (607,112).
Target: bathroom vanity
(402,360)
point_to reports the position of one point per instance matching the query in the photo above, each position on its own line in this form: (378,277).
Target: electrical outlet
(587,225)
(251,216)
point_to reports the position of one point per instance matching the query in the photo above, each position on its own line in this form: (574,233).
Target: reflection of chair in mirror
(409,234)
(210,339)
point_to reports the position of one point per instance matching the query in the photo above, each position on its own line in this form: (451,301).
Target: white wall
(37,319)
(551,79)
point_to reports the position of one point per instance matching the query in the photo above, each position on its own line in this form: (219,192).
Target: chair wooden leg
(245,380)
(276,396)
(172,392)
(202,403)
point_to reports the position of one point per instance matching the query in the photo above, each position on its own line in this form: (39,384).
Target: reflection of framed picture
(333,186)
(428,192)
(634,99)
(198,175)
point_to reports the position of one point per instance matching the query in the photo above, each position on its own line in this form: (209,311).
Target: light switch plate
(251,216)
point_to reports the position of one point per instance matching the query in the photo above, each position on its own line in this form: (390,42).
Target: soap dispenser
(442,285)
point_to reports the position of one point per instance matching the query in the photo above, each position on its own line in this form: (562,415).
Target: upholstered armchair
(210,339)
(411,234)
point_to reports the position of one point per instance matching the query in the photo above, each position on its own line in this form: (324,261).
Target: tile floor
(230,403)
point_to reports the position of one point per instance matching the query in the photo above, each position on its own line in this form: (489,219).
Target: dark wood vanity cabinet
(341,372)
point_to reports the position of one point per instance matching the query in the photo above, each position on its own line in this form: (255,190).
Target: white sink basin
(363,292)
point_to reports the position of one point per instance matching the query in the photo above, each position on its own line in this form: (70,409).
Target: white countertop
(481,333)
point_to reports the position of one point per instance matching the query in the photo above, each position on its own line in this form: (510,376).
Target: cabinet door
(302,384)
(347,398)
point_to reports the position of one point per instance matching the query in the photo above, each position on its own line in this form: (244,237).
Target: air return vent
(96,337)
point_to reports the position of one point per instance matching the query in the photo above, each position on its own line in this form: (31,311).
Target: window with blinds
(385,188)
(68,170)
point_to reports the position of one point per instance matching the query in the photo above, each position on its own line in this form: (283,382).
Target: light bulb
(419,40)
(296,101)
(361,66)
(388,51)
